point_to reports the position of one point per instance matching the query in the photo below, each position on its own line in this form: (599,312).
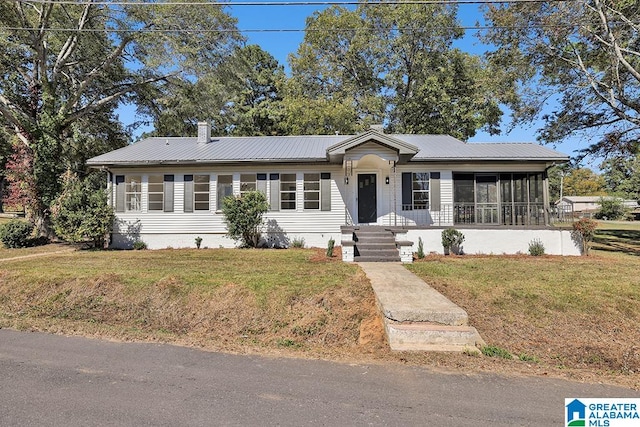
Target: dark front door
(367,204)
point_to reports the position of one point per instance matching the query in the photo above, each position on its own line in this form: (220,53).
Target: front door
(367,203)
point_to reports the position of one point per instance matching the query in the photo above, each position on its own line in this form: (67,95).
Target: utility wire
(289,3)
(267,30)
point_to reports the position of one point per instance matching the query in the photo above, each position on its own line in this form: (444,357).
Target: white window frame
(311,187)
(152,190)
(202,192)
(284,182)
(133,193)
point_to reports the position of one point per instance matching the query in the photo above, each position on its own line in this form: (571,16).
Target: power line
(290,3)
(268,30)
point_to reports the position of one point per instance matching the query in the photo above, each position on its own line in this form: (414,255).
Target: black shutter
(407,185)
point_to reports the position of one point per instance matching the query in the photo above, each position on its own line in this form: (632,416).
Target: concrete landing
(416,316)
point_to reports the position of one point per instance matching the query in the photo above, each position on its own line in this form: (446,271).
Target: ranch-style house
(375,194)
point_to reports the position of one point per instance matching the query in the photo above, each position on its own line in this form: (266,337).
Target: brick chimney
(204,132)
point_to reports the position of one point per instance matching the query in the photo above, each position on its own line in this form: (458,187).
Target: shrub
(198,242)
(139,245)
(297,243)
(16,233)
(583,232)
(452,241)
(330,246)
(495,351)
(420,252)
(611,208)
(243,216)
(536,247)
(81,212)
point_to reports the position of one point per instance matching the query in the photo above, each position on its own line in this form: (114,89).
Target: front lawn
(576,317)
(222,299)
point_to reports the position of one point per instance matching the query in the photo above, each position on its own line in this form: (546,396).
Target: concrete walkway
(416,316)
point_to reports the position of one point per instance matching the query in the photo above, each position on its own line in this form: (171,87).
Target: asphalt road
(68,381)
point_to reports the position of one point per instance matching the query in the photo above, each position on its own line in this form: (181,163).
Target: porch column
(545,197)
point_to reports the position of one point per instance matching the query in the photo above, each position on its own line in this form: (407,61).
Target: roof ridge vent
(377,127)
(204,132)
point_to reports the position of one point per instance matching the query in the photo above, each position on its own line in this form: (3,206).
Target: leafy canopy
(391,64)
(584,57)
(65,67)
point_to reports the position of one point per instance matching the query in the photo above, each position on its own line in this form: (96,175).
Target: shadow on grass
(624,241)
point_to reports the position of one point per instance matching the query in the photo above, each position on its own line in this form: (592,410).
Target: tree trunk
(1,193)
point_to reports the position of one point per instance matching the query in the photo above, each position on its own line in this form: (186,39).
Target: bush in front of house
(81,212)
(330,247)
(583,231)
(243,216)
(16,233)
(536,247)
(420,253)
(452,240)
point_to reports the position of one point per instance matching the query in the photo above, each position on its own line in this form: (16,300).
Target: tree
(256,108)
(583,182)
(66,66)
(336,78)
(622,176)
(611,208)
(583,55)
(5,151)
(81,211)
(243,216)
(392,64)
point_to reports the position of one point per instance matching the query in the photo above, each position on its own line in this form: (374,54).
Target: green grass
(567,311)
(258,270)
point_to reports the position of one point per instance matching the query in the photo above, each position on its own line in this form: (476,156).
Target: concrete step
(421,336)
(376,258)
(376,241)
(377,246)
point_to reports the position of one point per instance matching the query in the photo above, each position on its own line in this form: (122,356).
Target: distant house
(167,191)
(587,206)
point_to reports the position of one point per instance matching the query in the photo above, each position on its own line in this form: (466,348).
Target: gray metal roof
(307,148)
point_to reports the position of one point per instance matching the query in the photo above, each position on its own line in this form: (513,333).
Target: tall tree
(65,66)
(622,176)
(256,108)
(240,96)
(583,182)
(394,64)
(336,81)
(582,57)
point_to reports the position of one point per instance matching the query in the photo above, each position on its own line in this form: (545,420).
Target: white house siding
(179,229)
(498,241)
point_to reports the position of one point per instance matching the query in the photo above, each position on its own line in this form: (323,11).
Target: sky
(293,17)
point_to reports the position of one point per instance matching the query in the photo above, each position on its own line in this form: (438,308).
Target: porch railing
(520,214)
